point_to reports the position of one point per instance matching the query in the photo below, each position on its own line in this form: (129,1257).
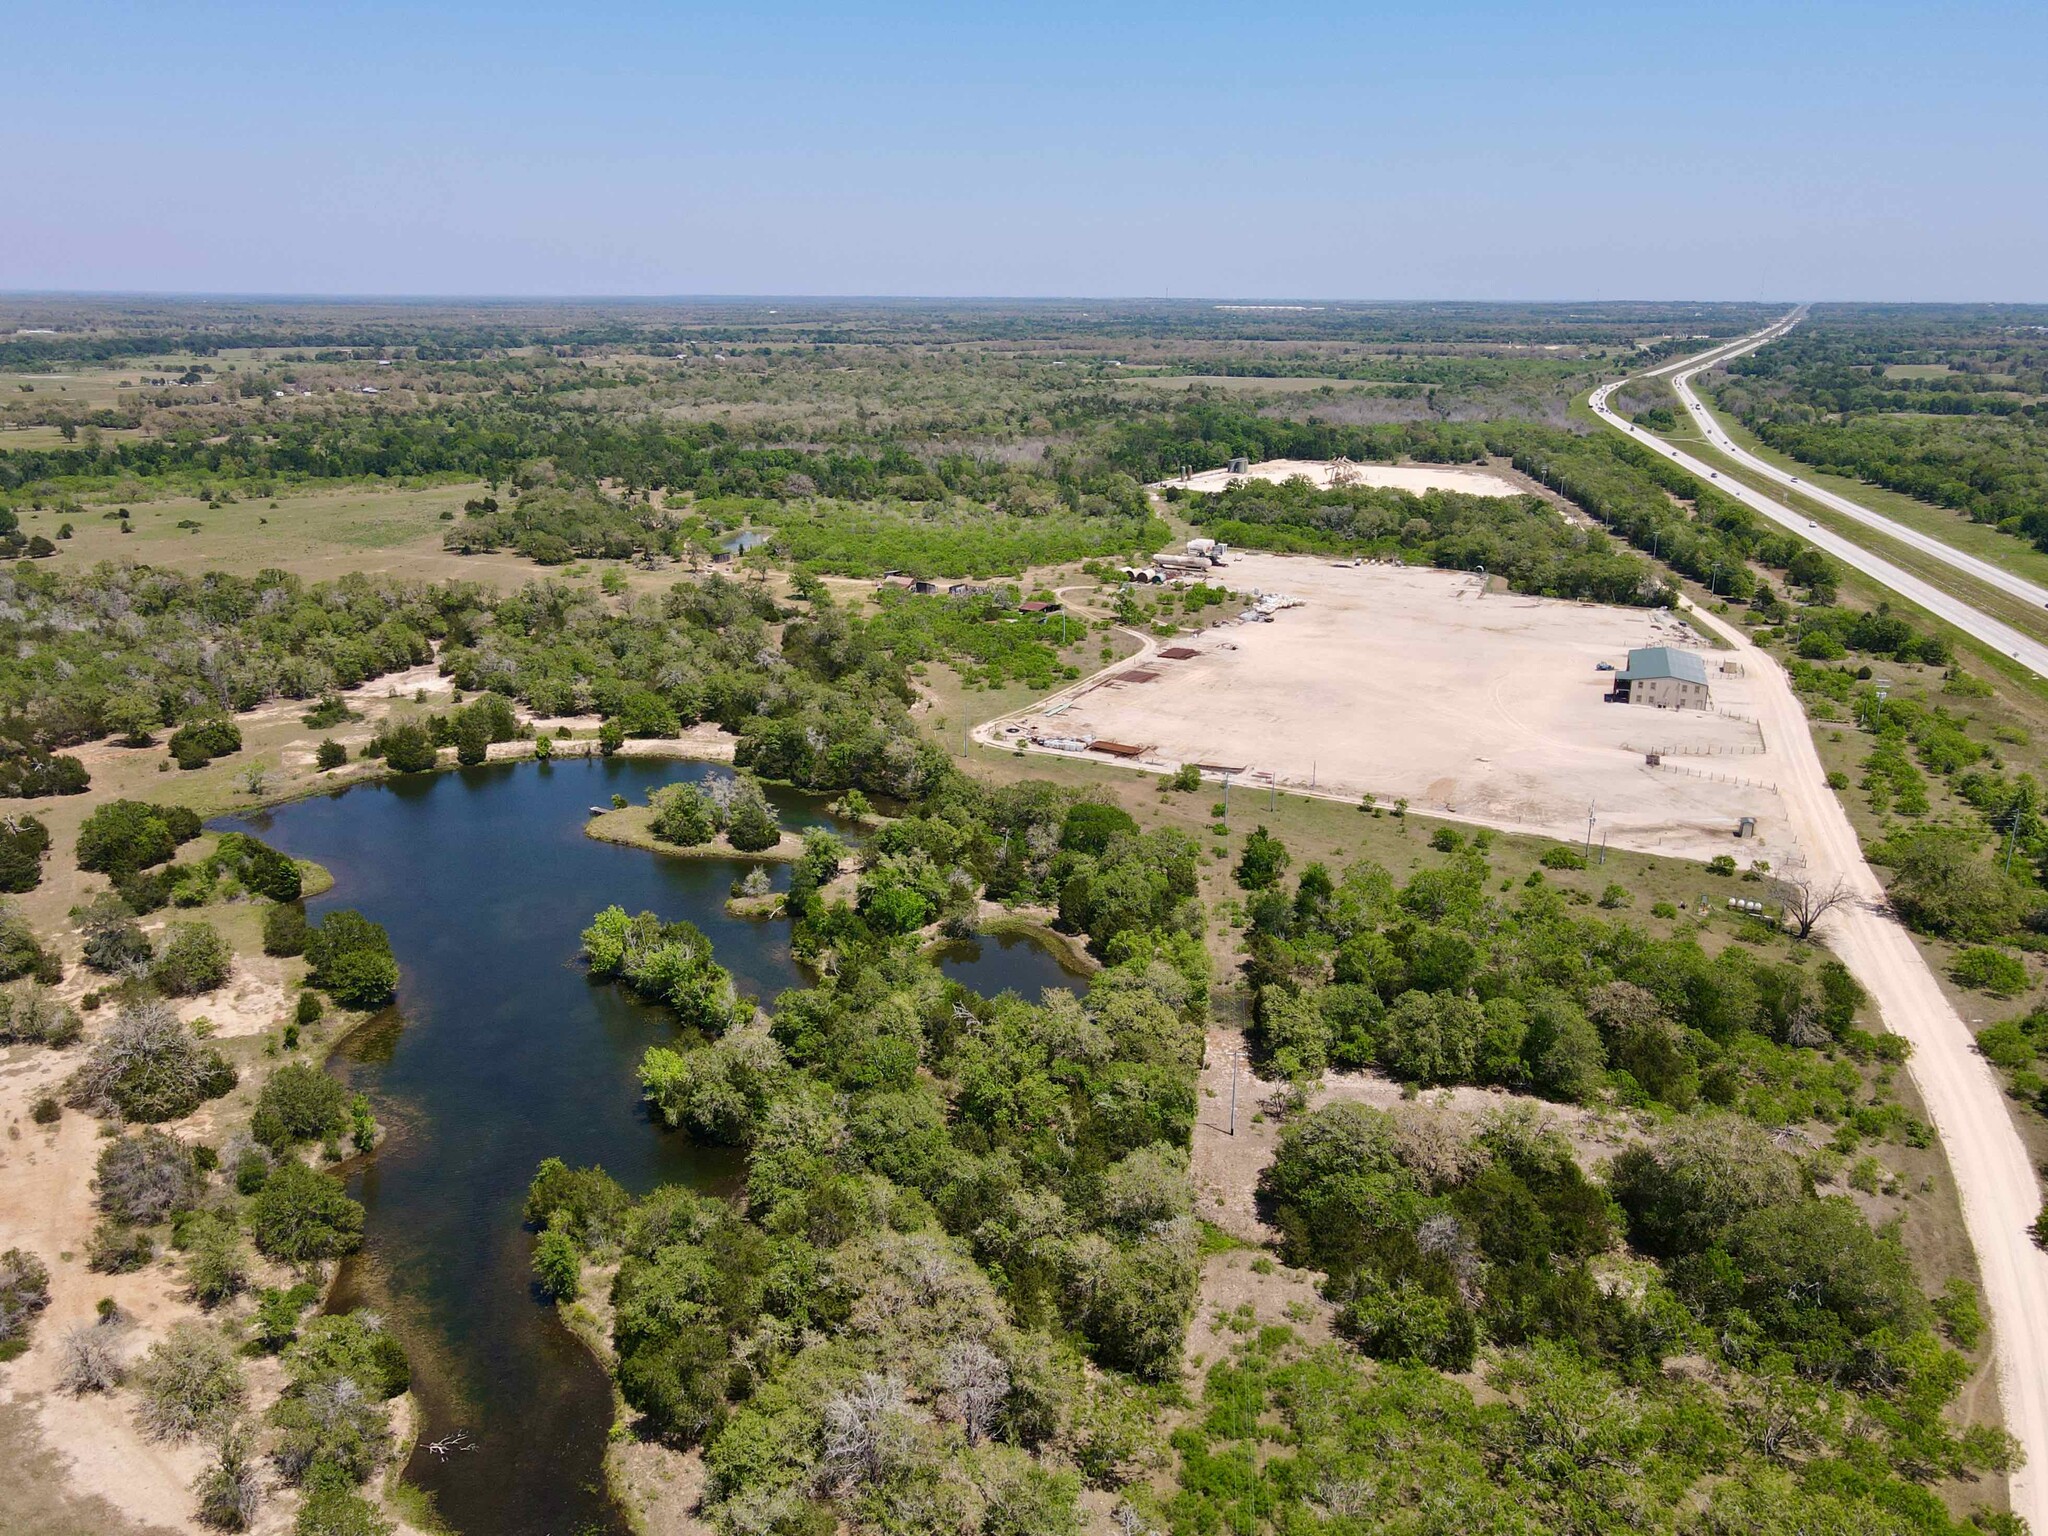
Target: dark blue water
(500,1052)
(992,963)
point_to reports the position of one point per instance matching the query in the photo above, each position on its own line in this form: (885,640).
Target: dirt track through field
(1994,1179)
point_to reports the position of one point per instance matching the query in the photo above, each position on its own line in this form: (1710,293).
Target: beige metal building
(1663,677)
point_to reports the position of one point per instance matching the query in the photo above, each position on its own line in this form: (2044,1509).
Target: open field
(1415,478)
(1409,683)
(317,534)
(1257,383)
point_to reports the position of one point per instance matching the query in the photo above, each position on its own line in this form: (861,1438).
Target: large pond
(500,1052)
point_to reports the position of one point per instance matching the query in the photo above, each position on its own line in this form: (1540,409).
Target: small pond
(499,1052)
(1009,961)
(746,539)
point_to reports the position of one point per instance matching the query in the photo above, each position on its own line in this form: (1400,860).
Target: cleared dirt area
(1323,474)
(1416,684)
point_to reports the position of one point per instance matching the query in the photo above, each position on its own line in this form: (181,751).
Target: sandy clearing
(1994,1179)
(1403,682)
(1234,1300)
(1416,478)
(46,1207)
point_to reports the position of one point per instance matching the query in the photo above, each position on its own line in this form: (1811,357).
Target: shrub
(405,746)
(300,1215)
(1721,864)
(587,1203)
(1681,1192)
(308,1010)
(23,842)
(114,944)
(351,1344)
(46,1111)
(277,1314)
(1942,884)
(683,815)
(299,1103)
(351,960)
(1615,897)
(199,743)
(118,1250)
(143,1179)
(29,773)
(1989,970)
(1564,856)
(195,959)
(750,823)
(24,1292)
(21,955)
(557,1266)
(230,1492)
(216,1263)
(147,1066)
(1263,861)
(329,711)
(329,755)
(37,1016)
(124,836)
(190,1381)
(259,866)
(1404,1322)
(284,929)
(333,1508)
(717,1091)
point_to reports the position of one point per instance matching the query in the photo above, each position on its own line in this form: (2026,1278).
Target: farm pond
(498,1052)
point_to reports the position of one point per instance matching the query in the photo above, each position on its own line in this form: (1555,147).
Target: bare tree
(148,1065)
(1808,900)
(978,1381)
(89,1359)
(866,1432)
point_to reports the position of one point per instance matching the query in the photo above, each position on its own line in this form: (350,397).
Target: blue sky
(1450,150)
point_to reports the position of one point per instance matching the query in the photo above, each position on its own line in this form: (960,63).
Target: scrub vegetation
(1675,1276)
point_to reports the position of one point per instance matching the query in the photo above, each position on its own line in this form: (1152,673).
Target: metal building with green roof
(1664,678)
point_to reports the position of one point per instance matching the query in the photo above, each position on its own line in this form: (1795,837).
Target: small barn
(1665,678)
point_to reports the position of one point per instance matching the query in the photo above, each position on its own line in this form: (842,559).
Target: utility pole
(1589,830)
(1236,1057)
(2020,809)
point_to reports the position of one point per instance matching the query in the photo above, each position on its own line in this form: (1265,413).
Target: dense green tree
(300,1215)
(349,957)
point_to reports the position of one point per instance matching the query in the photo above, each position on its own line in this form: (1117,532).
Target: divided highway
(2030,653)
(1995,1182)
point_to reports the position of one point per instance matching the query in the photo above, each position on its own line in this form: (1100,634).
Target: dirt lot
(1412,683)
(1402,477)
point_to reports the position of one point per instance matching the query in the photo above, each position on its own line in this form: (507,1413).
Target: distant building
(1038,607)
(1663,677)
